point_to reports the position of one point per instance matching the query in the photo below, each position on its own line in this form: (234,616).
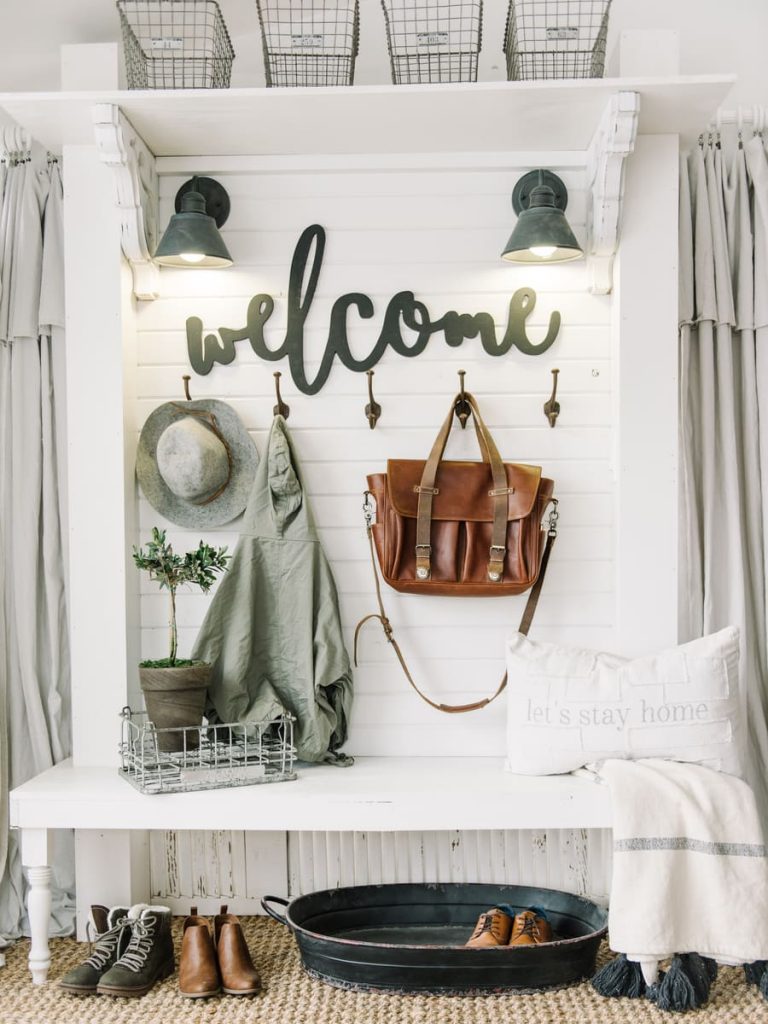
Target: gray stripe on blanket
(696,845)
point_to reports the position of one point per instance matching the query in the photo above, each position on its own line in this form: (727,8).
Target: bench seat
(381,794)
(376,794)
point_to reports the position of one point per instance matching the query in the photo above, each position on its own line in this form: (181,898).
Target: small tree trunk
(172,625)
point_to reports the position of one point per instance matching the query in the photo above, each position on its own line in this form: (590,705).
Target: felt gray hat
(196,462)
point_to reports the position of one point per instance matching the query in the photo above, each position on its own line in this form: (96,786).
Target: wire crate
(175,44)
(556,38)
(309,43)
(433,40)
(211,756)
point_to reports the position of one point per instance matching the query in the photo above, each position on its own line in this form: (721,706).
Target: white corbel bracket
(136,187)
(611,144)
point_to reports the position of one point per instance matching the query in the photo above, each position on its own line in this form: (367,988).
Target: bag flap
(463,489)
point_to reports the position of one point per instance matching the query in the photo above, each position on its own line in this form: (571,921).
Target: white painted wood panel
(438,234)
(558,859)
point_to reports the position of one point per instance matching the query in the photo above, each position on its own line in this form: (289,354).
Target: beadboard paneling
(572,859)
(437,233)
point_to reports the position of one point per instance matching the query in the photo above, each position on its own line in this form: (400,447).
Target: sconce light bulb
(543,252)
(192,257)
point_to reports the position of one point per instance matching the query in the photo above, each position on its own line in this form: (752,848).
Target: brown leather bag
(462,529)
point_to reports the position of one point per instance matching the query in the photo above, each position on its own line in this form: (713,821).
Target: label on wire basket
(308,41)
(167,43)
(432,38)
(563,32)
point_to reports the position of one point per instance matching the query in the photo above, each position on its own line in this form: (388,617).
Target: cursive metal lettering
(404,311)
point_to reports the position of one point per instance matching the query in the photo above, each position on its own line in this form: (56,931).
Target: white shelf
(378,794)
(483,117)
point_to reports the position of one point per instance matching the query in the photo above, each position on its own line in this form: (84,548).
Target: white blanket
(690,872)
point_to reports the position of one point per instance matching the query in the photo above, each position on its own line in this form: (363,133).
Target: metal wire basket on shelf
(175,44)
(433,40)
(556,38)
(211,756)
(309,43)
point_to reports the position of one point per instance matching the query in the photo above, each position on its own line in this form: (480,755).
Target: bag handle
(427,490)
(386,625)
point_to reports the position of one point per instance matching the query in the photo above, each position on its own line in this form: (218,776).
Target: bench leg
(35,856)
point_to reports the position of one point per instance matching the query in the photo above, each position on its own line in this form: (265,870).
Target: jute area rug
(291,997)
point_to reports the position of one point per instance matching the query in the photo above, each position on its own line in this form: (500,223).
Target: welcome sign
(404,314)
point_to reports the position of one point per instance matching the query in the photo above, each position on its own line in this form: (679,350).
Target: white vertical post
(646,377)
(98,533)
(36,858)
(101,367)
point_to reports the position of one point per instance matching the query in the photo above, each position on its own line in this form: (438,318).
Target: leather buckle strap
(496,563)
(426,490)
(423,561)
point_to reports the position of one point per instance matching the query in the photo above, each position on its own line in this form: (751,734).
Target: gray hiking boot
(148,957)
(113,931)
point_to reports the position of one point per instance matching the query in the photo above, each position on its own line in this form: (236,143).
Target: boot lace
(106,945)
(140,946)
(530,927)
(485,924)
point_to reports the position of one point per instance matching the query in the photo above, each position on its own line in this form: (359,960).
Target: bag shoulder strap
(386,625)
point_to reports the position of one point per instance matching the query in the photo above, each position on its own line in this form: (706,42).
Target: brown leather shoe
(238,975)
(198,969)
(492,929)
(530,929)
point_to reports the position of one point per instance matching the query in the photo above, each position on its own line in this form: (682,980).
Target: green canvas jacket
(273,632)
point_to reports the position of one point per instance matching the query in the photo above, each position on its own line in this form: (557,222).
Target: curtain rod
(17,144)
(741,116)
(14,139)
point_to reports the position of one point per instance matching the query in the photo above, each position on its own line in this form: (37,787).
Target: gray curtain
(35,721)
(724,414)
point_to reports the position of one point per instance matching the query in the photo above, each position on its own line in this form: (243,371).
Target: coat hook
(186,378)
(281,409)
(373,409)
(462,408)
(552,407)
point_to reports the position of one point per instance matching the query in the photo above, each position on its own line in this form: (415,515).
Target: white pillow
(567,707)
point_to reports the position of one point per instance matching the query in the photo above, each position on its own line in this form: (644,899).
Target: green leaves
(170,571)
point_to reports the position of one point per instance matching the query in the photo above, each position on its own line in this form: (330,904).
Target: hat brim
(245,458)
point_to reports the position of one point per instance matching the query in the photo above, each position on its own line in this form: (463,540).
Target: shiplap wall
(438,232)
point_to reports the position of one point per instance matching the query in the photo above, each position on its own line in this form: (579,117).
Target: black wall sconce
(542,234)
(192,237)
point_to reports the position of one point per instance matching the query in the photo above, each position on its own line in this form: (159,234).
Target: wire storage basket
(433,40)
(211,756)
(556,38)
(309,43)
(175,44)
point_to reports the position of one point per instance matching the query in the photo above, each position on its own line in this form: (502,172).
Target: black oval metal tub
(411,938)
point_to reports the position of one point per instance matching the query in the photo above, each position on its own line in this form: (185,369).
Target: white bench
(381,794)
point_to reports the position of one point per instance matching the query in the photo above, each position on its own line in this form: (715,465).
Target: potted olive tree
(174,688)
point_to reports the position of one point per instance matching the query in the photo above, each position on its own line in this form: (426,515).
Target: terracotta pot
(175,698)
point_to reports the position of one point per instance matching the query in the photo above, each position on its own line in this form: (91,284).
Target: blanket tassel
(686,985)
(620,977)
(755,972)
